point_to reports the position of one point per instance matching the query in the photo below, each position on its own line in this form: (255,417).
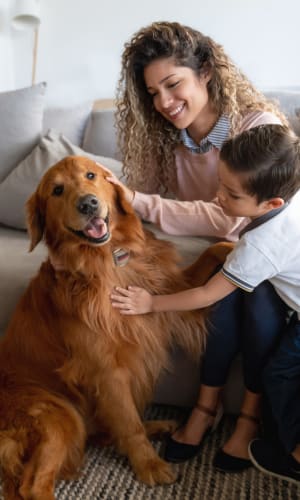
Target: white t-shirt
(269,249)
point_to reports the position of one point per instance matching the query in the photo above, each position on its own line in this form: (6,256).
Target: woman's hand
(132,300)
(129,195)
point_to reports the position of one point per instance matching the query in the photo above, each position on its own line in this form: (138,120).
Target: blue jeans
(282,386)
(250,323)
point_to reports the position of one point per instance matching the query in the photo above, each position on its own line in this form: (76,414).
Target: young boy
(259,178)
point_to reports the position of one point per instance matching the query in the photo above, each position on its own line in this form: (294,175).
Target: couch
(32,138)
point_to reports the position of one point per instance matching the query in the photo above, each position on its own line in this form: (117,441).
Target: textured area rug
(105,475)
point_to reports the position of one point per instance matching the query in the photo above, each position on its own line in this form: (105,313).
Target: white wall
(81,41)
(6,55)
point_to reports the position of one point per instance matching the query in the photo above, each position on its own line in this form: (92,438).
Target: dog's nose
(87,204)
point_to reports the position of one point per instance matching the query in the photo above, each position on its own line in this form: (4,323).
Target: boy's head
(259,170)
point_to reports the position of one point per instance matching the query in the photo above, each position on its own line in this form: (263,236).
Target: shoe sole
(273,474)
(233,471)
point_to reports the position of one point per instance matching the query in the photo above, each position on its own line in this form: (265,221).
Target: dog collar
(120,256)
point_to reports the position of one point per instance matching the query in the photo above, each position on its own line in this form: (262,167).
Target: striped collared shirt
(215,138)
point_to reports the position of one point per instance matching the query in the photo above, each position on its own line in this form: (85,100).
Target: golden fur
(72,366)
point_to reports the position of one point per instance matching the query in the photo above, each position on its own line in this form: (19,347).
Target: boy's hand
(133,300)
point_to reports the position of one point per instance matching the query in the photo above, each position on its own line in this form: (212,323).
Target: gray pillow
(23,180)
(289,102)
(21,117)
(70,121)
(100,135)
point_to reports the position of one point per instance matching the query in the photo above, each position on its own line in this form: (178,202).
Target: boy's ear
(274,203)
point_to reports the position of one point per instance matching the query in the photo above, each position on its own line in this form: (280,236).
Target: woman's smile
(178,93)
(175,113)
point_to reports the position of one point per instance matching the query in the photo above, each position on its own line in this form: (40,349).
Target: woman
(179,98)
(177,88)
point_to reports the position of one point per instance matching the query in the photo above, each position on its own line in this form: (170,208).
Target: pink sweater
(196,211)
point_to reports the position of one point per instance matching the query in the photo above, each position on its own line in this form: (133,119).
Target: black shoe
(270,460)
(228,463)
(177,452)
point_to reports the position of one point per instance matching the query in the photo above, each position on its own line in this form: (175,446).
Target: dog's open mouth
(96,231)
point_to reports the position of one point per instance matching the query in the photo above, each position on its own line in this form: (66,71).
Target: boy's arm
(135,300)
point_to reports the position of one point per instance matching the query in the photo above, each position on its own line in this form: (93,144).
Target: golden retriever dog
(70,365)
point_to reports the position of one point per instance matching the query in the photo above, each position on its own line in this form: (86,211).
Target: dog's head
(74,202)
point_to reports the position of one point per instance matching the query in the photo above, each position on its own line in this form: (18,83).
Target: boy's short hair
(269,156)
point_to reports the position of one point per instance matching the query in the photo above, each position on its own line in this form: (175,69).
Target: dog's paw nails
(171,426)
(156,471)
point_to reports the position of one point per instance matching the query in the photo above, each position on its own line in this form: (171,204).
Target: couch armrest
(104,104)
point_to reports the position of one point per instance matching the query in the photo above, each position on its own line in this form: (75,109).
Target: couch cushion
(21,113)
(184,374)
(17,268)
(71,121)
(289,102)
(100,137)
(22,181)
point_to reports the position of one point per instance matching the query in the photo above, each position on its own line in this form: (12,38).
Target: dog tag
(120,256)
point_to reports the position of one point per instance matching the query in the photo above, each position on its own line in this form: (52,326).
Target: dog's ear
(35,220)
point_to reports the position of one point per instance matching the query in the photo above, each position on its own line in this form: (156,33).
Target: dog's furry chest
(94,357)
(100,341)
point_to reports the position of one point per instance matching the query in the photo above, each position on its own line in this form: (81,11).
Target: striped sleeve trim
(240,283)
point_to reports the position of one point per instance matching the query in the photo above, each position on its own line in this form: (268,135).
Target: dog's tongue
(96,228)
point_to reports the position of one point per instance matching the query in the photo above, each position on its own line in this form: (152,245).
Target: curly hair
(147,141)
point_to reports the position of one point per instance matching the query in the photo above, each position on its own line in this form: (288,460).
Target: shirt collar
(216,137)
(262,219)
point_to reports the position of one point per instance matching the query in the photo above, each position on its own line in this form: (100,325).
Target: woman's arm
(135,300)
(188,218)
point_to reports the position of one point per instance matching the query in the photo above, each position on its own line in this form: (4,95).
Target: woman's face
(178,93)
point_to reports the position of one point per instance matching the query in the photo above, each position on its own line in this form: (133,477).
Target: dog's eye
(58,190)
(90,175)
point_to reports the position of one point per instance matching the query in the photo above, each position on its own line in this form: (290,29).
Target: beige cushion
(23,180)
(21,116)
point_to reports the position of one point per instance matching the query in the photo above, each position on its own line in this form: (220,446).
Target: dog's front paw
(158,428)
(156,471)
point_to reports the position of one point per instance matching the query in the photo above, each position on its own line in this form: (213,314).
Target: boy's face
(233,198)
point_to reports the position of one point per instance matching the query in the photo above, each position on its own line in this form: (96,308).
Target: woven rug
(108,476)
